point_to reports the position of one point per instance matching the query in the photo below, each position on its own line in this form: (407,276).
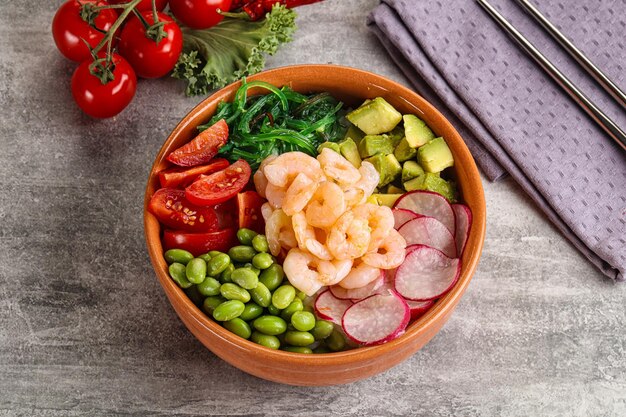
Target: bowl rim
(418,327)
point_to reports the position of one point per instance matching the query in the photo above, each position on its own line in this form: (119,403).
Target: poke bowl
(396,313)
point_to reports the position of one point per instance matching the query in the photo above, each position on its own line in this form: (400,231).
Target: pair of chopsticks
(612,129)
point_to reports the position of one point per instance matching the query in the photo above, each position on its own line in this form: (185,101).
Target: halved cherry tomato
(199,243)
(172,209)
(249,203)
(220,186)
(174,177)
(227,214)
(202,148)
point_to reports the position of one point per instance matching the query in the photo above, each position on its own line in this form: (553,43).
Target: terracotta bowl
(351,86)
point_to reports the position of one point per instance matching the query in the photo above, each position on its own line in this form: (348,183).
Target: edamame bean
(245,278)
(295,305)
(211,303)
(297,349)
(273,310)
(228,310)
(259,243)
(245,236)
(262,260)
(251,312)
(196,270)
(322,329)
(225,276)
(217,264)
(252,268)
(272,277)
(214,253)
(283,296)
(335,341)
(301,295)
(205,256)
(232,291)
(303,321)
(241,253)
(210,286)
(270,325)
(239,327)
(179,276)
(297,338)
(178,255)
(261,295)
(271,342)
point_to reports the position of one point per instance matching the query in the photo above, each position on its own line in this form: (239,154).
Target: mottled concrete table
(86,330)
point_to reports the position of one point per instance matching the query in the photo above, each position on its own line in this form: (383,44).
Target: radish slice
(330,307)
(430,232)
(376,319)
(426,274)
(402,216)
(418,308)
(463,217)
(357,294)
(429,204)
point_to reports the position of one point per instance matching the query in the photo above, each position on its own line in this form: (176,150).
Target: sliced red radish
(402,216)
(331,308)
(426,274)
(357,294)
(463,222)
(376,319)
(429,204)
(430,232)
(418,308)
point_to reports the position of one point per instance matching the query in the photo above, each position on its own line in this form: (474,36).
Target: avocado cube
(370,145)
(403,151)
(375,117)
(432,182)
(392,189)
(384,199)
(348,149)
(396,135)
(435,156)
(416,131)
(354,133)
(393,168)
(410,170)
(330,145)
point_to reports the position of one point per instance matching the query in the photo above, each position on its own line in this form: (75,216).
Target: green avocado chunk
(392,189)
(354,133)
(410,170)
(416,131)
(330,145)
(435,156)
(348,149)
(375,117)
(432,182)
(403,151)
(384,199)
(370,145)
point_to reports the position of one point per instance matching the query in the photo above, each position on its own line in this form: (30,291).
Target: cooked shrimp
(275,195)
(338,168)
(343,268)
(326,205)
(379,219)
(354,196)
(266,211)
(298,194)
(390,254)
(308,273)
(260,181)
(349,237)
(315,247)
(279,232)
(282,170)
(302,230)
(360,276)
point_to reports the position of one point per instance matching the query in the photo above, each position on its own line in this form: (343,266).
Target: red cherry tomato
(170,206)
(199,243)
(144,4)
(148,58)
(249,207)
(220,186)
(68,29)
(199,14)
(104,100)
(202,148)
(175,177)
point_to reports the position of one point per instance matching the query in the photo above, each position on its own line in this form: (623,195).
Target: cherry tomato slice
(220,186)
(170,206)
(202,148)
(199,243)
(174,177)
(249,203)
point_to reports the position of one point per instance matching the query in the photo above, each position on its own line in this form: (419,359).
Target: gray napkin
(513,117)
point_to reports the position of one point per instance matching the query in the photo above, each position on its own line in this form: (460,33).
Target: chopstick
(602,79)
(583,101)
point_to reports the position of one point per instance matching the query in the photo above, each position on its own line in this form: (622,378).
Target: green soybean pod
(294,306)
(245,278)
(272,277)
(273,310)
(283,296)
(262,260)
(232,291)
(211,303)
(217,264)
(335,341)
(239,327)
(261,295)
(178,255)
(322,329)
(241,253)
(297,338)
(179,276)
(303,321)
(270,325)
(245,236)
(210,286)
(297,349)
(205,256)
(225,276)
(271,342)
(228,310)
(196,270)
(251,312)
(259,243)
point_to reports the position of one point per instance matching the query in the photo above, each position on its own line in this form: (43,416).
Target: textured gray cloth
(513,117)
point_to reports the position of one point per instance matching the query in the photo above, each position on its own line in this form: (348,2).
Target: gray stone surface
(86,330)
